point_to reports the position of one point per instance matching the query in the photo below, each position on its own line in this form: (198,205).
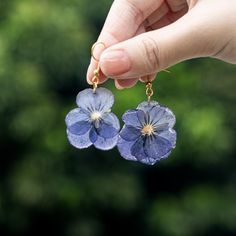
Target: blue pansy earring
(92,122)
(147,135)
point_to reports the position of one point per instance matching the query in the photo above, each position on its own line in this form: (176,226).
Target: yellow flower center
(147,130)
(95,115)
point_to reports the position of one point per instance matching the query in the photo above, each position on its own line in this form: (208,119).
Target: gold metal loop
(149,90)
(95,79)
(96,72)
(92,50)
(95,85)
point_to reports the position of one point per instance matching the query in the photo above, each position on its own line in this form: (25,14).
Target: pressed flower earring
(92,122)
(147,135)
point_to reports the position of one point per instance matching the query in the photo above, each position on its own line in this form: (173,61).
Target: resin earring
(92,122)
(147,135)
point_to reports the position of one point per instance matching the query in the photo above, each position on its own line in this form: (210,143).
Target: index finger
(123,21)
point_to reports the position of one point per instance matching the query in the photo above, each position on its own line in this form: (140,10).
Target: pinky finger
(125,83)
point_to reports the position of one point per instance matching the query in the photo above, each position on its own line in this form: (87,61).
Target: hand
(144,37)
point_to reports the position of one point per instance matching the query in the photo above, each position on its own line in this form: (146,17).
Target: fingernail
(115,62)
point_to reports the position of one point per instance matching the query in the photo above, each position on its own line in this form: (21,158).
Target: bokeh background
(47,187)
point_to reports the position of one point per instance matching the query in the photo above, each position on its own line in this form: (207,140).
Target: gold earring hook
(95,79)
(93,47)
(149,90)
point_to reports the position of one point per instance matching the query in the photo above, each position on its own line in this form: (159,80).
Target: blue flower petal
(157,147)
(170,135)
(137,149)
(109,126)
(93,136)
(135,118)
(106,144)
(106,130)
(146,106)
(148,161)
(80,142)
(124,148)
(79,128)
(130,133)
(102,100)
(76,115)
(85,99)
(151,161)
(111,119)
(162,117)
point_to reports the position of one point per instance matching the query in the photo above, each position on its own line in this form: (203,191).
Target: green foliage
(48,187)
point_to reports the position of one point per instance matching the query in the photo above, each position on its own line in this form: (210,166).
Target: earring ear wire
(93,48)
(149,90)
(96,72)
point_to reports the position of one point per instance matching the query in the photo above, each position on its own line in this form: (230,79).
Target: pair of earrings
(147,135)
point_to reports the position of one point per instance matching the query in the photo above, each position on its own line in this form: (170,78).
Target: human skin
(145,37)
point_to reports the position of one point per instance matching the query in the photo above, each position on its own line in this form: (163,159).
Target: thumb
(189,37)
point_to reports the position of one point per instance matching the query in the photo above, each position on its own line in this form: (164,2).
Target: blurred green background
(47,187)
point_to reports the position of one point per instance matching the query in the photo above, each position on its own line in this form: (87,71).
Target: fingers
(125,83)
(123,21)
(150,52)
(169,18)
(176,5)
(128,83)
(157,14)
